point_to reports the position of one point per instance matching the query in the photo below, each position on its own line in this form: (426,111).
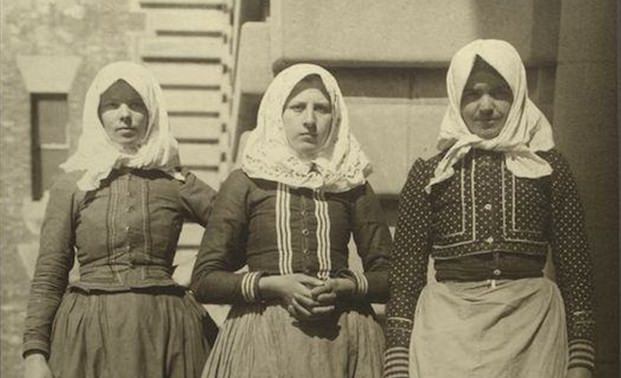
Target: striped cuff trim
(362,285)
(396,352)
(581,354)
(582,343)
(580,363)
(398,367)
(250,287)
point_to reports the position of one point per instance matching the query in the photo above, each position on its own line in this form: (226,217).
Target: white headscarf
(340,165)
(98,155)
(526,129)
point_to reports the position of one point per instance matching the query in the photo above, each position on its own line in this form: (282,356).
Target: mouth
(128,131)
(488,121)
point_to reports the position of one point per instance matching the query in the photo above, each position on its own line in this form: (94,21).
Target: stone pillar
(586,132)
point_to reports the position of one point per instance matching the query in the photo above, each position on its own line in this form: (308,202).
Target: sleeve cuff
(250,287)
(36,346)
(581,354)
(359,279)
(396,362)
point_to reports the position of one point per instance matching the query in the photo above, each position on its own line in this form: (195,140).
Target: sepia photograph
(315,189)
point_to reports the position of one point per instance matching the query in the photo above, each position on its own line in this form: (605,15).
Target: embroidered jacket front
(484,210)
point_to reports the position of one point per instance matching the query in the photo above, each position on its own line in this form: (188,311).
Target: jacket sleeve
(373,242)
(197,199)
(572,261)
(51,276)
(223,248)
(408,270)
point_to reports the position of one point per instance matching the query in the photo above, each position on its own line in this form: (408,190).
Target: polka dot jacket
(486,223)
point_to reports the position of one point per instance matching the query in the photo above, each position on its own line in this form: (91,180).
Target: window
(50,142)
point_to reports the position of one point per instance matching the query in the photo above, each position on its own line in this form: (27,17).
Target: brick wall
(96,31)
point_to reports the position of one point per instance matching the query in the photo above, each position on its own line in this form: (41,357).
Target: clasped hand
(306,298)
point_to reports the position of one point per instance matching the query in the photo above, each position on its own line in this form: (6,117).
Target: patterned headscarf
(339,166)
(97,155)
(526,129)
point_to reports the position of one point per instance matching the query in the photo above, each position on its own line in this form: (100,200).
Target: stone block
(399,33)
(380,125)
(200,154)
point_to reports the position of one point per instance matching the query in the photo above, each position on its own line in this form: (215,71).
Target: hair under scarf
(97,155)
(339,166)
(526,129)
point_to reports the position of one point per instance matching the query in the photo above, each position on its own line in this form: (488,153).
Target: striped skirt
(513,329)
(261,340)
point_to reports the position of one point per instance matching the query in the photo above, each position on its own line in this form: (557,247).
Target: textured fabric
(526,129)
(279,230)
(97,155)
(264,341)
(514,329)
(275,229)
(485,208)
(340,165)
(124,235)
(117,335)
(550,211)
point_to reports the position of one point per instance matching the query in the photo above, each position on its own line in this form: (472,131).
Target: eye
(502,93)
(137,106)
(322,108)
(298,108)
(470,94)
(109,105)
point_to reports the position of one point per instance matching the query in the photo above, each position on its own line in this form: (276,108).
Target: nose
(486,105)
(124,113)
(309,117)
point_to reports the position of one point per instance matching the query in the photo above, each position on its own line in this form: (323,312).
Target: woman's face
(485,102)
(123,114)
(307,117)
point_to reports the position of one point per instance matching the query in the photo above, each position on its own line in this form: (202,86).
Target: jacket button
(489,240)
(488,206)
(305,251)
(497,272)
(305,232)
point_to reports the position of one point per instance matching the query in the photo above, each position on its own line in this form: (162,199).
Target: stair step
(198,154)
(187,74)
(194,4)
(199,21)
(181,49)
(191,235)
(195,127)
(193,100)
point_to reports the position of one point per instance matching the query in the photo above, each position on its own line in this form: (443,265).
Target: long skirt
(152,333)
(260,340)
(511,329)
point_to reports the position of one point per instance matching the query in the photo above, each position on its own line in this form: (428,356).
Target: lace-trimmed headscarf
(340,165)
(526,129)
(97,155)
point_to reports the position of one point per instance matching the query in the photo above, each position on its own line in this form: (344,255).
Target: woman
(119,207)
(487,208)
(288,214)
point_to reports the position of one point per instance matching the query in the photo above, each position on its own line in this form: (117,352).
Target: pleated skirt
(260,340)
(139,334)
(513,329)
